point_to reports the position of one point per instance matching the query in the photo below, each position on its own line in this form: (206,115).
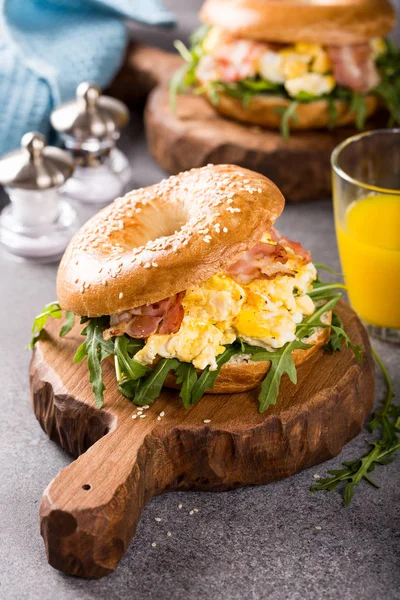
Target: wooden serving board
(196,134)
(90,511)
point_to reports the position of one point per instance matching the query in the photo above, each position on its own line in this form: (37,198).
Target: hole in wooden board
(86,487)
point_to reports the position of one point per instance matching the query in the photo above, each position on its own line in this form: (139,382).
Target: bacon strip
(354,66)
(266,261)
(162,317)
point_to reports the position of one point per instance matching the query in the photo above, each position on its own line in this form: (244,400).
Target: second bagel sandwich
(188,284)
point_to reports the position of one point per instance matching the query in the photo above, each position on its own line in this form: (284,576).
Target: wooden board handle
(88,516)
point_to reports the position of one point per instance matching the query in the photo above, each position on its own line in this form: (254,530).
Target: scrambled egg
(301,68)
(262,313)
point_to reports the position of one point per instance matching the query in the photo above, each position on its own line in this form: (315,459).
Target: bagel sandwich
(294,64)
(188,284)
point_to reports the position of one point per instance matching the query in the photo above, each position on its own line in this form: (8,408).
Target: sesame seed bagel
(241,374)
(335,22)
(310,115)
(158,241)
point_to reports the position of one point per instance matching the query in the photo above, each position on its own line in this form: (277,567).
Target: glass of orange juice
(366,193)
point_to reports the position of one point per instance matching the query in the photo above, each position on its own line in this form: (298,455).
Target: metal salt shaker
(38,223)
(89,127)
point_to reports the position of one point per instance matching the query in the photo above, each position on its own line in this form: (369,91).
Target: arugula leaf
(338,335)
(81,353)
(208,377)
(358,105)
(148,388)
(69,323)
(382,451)
(333,114)
(324,267)
(131,368)
(388,90)
(281,362)
(96,350)
(288,115)
(323,290)
(53,309)
(187,376)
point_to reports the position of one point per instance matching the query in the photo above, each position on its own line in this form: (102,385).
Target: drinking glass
(366,194)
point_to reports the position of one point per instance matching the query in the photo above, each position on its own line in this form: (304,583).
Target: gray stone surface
(253,543)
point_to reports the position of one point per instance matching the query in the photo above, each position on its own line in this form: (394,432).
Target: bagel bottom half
(241,374)
(266,110)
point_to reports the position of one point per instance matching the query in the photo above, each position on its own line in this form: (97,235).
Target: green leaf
(333,114)
(149,387)
(281,362)
(69,323)
(81,353)
(338,336)
(322,266)
(381,452)
(177,85)
(187,376)
(127,365)
(53,309)
(358,106)
(183,51)
(97,350)
(208,377)
(288,115)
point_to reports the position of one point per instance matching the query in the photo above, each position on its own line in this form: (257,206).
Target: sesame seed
(179,505)
(142,416)
(259,190)
(158,519)
(206,240)
(162,413)
(121,294)
(154,264)
(147,265)
(207,421)
(191,512)
(145,406)
(134,416)
(158,418)
(316,476)
(318,527)
(196,510)
(169,533)
(225,230)
(153,544)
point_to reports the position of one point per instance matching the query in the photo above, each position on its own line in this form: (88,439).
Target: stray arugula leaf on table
(382,451)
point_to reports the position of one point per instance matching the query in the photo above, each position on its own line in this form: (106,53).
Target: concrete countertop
(278,541)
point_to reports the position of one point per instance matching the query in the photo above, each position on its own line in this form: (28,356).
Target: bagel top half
(327,22)
(158,241)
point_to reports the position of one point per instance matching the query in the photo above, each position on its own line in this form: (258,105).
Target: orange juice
(369,246)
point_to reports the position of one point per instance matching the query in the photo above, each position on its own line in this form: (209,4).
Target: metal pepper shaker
(38,223)
(89,127)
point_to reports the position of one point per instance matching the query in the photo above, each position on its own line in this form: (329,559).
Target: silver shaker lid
(35,166)
(90,115)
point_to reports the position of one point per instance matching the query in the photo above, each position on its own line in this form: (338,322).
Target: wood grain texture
(90,511)
(196,135)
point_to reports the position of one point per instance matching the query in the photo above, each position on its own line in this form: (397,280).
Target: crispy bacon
(297,249)
(162,317)
(266,261)
(354,66)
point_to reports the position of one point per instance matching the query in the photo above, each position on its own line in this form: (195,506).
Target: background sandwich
(303,64)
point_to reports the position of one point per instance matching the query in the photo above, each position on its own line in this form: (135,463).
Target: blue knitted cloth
(47,47)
